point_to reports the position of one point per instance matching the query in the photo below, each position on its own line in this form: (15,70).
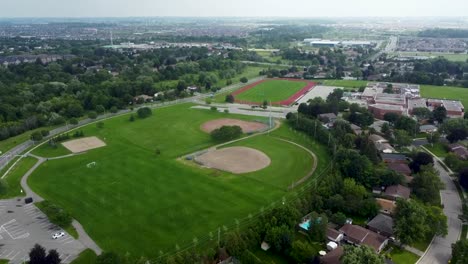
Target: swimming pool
(305,225)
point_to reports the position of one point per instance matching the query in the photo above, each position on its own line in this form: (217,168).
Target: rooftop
(388,107)
(382,223)
(398,191)
(400,168)
(417,103)
(371,91)
(387,206)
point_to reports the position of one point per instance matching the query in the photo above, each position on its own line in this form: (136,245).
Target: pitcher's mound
(83,144)
(235,159)
(247,126)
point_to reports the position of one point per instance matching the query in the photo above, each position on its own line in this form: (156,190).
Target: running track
(288,101)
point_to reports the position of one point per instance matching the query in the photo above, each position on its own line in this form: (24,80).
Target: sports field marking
(83,144)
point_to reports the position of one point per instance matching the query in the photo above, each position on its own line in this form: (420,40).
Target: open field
(133,191)
(48,151)
(448,56)
(276,91)
(85,257)
(13,178)
(246,126)
(445,92)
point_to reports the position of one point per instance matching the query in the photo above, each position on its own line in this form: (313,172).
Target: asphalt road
(23,225)
(440,250)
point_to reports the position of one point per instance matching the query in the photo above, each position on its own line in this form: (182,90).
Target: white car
(58,235)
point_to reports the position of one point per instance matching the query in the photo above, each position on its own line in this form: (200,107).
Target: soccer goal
(91,164)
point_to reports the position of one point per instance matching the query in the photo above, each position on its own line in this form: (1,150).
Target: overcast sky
(249,8)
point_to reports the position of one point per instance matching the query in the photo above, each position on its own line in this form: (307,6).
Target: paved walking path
(84,238)
(414,250)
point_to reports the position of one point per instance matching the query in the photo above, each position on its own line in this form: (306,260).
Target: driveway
(24,225)
(440,250)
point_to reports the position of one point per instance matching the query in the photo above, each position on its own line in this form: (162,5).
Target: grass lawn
(445,92)
(70,229)
(133,191)
(448,56)
(4,261)
(345,83)
(13,178)
(422,245)
(271,90)
(87,256)
(438,149)
(400,256)
(47,151)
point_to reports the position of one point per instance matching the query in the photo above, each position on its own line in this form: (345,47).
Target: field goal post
(91,165)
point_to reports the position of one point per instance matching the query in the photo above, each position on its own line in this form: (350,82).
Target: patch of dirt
(237,160)
(83,144)
(247,126)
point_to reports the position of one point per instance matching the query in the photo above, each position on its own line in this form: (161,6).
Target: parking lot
(24,225)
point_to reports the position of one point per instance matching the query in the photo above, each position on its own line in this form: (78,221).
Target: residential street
(440,250)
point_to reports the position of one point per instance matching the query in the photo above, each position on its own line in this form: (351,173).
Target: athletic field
(135,200)
(276,91)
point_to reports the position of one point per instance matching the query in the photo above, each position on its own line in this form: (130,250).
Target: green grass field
(86,257)
(138,202)
(400,256)
(13,178)
(445,92)
(448,56)
(48,151)
(271,90)
(438,149)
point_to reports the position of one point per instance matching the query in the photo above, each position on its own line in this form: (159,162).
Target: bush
(226,133)
(100,109)
(36,136)
(56,214)
(92,115)
(113,110)
(44,133)
(132,118)
(73,121)
(144,112)
(229,98)
(213,108)
(244,80)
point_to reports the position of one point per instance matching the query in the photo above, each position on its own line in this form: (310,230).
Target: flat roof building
(379,110)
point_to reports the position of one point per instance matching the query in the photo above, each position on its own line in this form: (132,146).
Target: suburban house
(386,206)
(358,235)
(428,128)
(459,150)
(377,139)
(334,235)
(397,191)
(381,144)
(401,168)
(381,224)
(393,158)
(332,257)
(328,118)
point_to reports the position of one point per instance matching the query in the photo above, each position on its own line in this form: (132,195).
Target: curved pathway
(84,238)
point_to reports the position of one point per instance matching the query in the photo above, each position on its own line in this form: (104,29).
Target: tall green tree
(460,252)
(427,185)
(361,255)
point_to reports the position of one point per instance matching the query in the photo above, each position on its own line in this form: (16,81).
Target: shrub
(113,110)
(36,136)
(73,121)
(132,118)
(56,214)
(244,80)
(92,115)
(144,112)
(44,133)
(226,133)
(213,108)
(100,109)
(229,98)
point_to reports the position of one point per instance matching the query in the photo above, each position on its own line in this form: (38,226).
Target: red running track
(288,101)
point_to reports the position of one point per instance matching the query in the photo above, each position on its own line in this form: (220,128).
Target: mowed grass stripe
(138,202)
(271,90)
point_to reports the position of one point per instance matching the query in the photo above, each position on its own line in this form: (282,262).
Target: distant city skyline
(238,8)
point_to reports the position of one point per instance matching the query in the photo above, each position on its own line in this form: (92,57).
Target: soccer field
(274,91)
(445,92)
(138,202)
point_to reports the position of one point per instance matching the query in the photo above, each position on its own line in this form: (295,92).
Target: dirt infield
(247,126)
(83,144)
(309,86)
(235,159)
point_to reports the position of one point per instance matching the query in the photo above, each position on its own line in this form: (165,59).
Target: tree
(36,136)
(100,109)
(37,255)
(92,115)
(402,138)
(302,252)
(265,104)
(433,138)
(113,110)
(318,227)
(420,159)
(74,110)
(144,112)
(463,178)
(422,113)
(361,255)
(410,222)
(439,114)
(457,134)
(408,124)
(225,133)
(108,258)
(244,80)
(460,252)
(279,237)
(53,257)
(391,117)
(427,185)
(229,98)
